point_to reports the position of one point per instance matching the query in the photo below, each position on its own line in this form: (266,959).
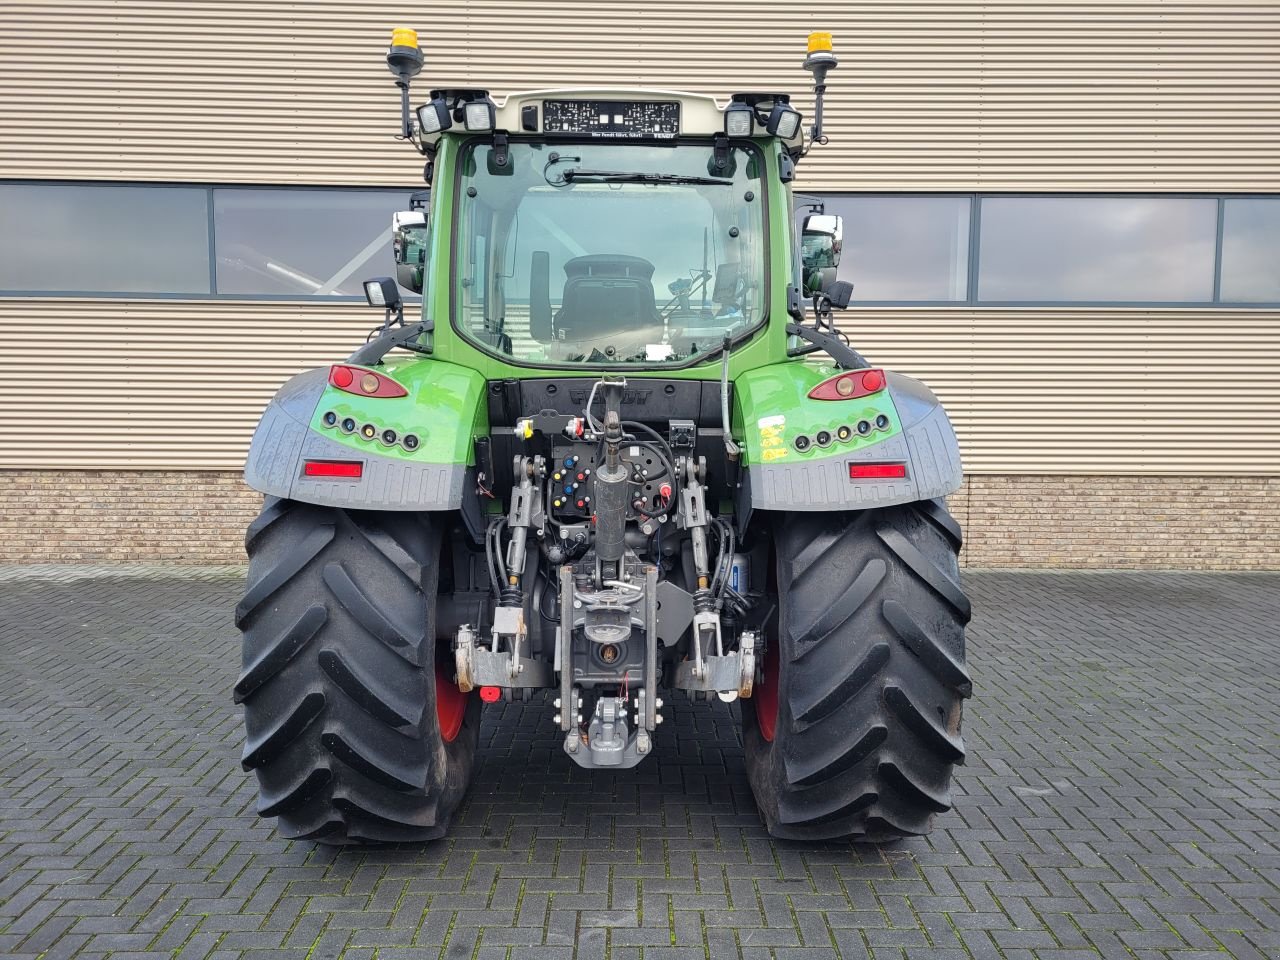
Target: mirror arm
(839,351)
(376,349)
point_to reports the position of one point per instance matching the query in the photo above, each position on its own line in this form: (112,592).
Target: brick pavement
(1122,800)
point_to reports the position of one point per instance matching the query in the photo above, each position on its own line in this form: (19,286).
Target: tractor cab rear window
(609,253)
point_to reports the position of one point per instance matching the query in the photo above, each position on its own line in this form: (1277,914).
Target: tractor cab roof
(606,113)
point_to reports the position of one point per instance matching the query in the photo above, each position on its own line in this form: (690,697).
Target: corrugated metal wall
(996,95)
(180,385)
(1099,96)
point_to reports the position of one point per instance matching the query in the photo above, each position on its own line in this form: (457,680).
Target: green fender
(426,465)
(800,453)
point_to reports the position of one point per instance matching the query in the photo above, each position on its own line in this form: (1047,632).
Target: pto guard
(443,397)
(779,476)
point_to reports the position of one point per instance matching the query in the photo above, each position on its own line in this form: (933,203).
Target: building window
(1096,249)
(62,238)
(904,248)
(1251,251)
(302,242)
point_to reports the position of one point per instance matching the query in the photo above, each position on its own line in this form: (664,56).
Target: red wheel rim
(451,705)
(766,696)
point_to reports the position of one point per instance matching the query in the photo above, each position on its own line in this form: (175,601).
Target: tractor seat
(606,294)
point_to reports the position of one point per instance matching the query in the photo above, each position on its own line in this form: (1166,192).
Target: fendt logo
(638,396)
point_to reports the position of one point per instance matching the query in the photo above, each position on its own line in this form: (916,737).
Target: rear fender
(773,411)
(443,410)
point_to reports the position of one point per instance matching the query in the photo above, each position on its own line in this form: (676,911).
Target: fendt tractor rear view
(623,455)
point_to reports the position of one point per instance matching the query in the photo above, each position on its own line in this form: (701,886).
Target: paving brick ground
(1122,800)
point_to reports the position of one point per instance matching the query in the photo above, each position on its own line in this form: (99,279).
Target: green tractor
(622,455)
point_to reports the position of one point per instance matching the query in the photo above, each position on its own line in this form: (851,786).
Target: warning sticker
(773,445)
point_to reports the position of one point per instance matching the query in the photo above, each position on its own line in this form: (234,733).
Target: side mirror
(821,238)
(382,292)
(409,247)
(838,293)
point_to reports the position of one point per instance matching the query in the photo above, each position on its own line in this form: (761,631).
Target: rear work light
(849,385)
(364,383)
(877,471)
(348,469)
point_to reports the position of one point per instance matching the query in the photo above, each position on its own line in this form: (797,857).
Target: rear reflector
(352,469)
(877,471)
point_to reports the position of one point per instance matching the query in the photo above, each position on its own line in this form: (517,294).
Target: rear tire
(353,725)
(855,726)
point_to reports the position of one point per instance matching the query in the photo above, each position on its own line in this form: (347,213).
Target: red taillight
(849,385)
(490,694)
(364,383)
(351,469)
(877,471)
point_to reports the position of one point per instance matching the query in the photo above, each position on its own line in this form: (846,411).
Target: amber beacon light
(404,60)
(820,61)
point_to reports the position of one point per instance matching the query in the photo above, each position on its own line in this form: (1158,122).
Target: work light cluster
(368,431)
(842,434)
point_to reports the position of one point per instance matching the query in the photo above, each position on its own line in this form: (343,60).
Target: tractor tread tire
(869,656)
(339,676)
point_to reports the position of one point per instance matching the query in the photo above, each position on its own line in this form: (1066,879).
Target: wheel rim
(451,705)
(766,695)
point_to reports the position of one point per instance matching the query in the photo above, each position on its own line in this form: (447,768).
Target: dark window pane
(104,239)
(904,248)
(1096,249)
(1251,251)
(303,242)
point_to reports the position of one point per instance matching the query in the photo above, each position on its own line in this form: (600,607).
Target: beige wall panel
(180,385)
(1000,95)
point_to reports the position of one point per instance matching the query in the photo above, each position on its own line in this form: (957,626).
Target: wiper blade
(620,176)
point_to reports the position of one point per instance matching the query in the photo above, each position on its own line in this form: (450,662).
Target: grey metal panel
(284,440)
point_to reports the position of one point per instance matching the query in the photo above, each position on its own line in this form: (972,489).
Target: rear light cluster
(849,385)
(364,383)
(843,433)
(369,431)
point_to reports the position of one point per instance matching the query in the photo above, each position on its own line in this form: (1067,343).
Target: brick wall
(1209,523)
(1197,523)
(94,516)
